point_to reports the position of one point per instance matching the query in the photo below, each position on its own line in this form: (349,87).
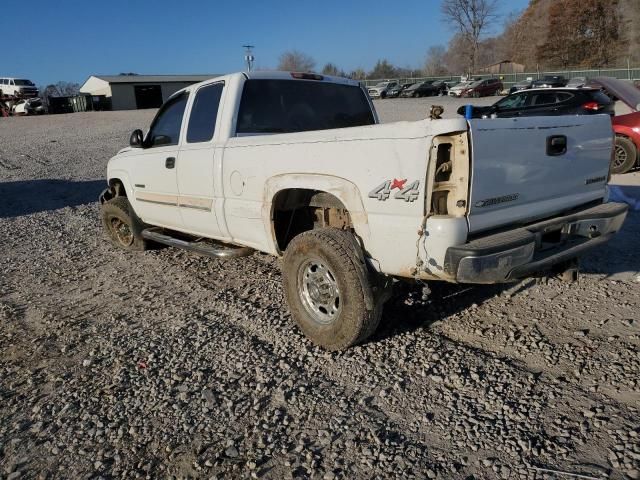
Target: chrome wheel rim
(121,231)
(318,289)
(620,156)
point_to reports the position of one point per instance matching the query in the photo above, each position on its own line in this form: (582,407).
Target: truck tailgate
(521,172)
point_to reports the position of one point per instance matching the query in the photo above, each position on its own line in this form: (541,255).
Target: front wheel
(122,225)
(328,289)
(625,155)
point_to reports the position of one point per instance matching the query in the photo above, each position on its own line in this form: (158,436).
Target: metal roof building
(130,92)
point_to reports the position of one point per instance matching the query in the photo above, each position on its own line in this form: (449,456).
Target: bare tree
(295,61)
(472,18)
(60,89)
(330,69)
(435,65)
(358,74)
(382,70)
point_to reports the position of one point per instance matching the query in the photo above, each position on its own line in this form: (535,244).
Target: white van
(18,87)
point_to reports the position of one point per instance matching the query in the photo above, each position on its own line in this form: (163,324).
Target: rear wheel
(122,224)
(625,155)
(328,288)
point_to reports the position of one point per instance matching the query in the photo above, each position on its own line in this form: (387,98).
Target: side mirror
(461,110)
(136,139)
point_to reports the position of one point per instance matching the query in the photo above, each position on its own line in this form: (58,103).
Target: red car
(482,88)
(626,125)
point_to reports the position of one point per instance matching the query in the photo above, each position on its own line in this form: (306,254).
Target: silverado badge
(408,193)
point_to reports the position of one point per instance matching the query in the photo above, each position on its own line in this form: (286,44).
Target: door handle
(556,145)
(170,162)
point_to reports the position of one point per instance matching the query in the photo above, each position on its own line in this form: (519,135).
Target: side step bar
(157,235)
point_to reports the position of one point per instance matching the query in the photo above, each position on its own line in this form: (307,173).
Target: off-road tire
(361,302)
(628,148)
(118,218)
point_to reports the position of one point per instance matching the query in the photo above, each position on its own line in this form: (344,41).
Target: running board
(156,235)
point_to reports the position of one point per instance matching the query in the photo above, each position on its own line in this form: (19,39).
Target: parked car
(18,88)
(351,205)
(550,81)
(544,101)
(380,90)
(577,82)
(441,87)
(626,122)
(457,89)
(395,91)
(483,88)
(521,85)
(421,89)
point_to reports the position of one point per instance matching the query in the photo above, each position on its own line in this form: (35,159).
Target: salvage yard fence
(509,79)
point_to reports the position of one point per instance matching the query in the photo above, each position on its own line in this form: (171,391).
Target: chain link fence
(509,79)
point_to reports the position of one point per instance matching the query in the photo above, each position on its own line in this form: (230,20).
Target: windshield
(24,83)
(476,83)
(282,106)
(382,84)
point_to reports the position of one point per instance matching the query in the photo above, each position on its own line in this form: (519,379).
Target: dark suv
(482,88)
(545,101)
(550,81)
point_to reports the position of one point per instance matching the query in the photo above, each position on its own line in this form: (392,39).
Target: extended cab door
(196,164)
(153,170)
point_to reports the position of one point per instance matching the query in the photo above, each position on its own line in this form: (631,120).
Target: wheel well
(298,210)
(117,187)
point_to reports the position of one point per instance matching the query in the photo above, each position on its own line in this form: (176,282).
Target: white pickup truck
(296,165)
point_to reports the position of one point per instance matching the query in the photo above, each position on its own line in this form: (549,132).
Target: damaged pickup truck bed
(296,165)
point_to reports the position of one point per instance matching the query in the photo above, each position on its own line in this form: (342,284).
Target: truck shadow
(34,196)
(618,259)
(407,310)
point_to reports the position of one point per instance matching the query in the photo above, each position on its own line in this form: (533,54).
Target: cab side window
(165,129)
(202,122)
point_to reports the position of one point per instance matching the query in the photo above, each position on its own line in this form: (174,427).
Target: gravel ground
(166,364)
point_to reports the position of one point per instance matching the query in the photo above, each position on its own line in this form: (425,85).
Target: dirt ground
(169,365)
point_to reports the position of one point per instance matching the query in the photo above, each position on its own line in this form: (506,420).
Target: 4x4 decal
(408,193)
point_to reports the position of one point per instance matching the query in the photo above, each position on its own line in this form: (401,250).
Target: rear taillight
(306,76)
(593,106)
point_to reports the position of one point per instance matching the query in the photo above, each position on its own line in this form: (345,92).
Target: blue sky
(70,40)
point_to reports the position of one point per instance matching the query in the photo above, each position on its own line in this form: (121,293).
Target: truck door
(197,175)
(153,171)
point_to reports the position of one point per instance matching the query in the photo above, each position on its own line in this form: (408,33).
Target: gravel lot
(166,364)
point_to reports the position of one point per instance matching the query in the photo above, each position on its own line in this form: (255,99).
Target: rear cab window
(284,106)
(204,113)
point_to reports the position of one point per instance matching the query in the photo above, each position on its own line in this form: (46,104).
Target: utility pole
(248,56)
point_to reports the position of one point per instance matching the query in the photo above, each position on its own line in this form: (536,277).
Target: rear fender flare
(344,190)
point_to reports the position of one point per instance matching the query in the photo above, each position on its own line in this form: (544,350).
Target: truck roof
(277,75)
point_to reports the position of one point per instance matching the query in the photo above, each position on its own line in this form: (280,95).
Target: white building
(130,92)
